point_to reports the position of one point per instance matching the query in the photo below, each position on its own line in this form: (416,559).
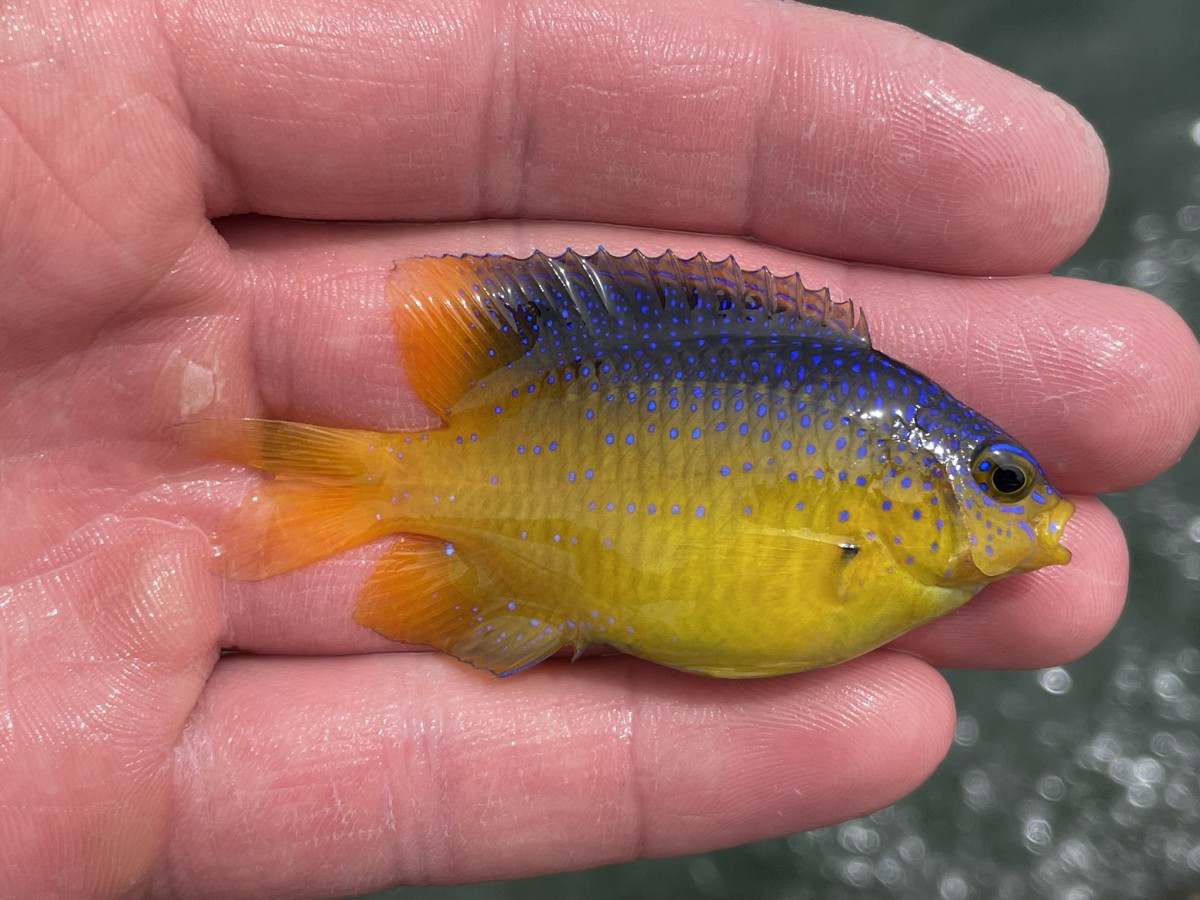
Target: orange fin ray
(426,591)
(325,497)
(283,526)
(450,335)
(285,449)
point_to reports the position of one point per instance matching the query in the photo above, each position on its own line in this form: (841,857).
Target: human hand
(134,760)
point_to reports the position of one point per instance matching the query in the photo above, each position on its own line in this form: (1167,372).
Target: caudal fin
(325,496)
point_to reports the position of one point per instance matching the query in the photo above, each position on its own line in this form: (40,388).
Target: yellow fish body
(700,465)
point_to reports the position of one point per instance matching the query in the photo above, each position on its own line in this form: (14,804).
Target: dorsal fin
(460,318)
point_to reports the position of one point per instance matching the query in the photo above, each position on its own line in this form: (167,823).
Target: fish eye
(1005,471)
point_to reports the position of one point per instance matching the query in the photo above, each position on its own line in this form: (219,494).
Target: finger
(340,776)
(1098,380)
(1042,618)
(815,130)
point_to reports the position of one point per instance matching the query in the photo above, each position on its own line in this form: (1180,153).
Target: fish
(702,465)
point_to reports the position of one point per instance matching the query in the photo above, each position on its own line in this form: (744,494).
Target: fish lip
(1047,549)
(1050,552)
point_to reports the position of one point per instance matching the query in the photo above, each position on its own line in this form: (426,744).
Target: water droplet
(911,849)
(1148,769)
(889,873)
(1038,834)
(978,789)
(966,731)
(1150,227)
(1193,859)
(1051,787)
(1055,680)
(1193,529)
(1143,796)
(857,838)
(1147,273)
(1168,685)
(704,872)
(1182,251)
(1189,660)
(953,887)
(857,872)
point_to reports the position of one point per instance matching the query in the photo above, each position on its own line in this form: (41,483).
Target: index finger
(811,129)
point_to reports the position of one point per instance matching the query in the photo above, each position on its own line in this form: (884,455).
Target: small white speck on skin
(196,383)
(198,389)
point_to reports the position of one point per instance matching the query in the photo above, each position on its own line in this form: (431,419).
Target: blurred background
(1073,783)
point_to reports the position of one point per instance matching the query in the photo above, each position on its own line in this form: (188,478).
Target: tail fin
(325,498)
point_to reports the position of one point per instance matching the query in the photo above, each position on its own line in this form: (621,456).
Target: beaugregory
(701,465)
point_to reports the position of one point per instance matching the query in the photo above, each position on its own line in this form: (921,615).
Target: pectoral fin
(792,552)
(426,591)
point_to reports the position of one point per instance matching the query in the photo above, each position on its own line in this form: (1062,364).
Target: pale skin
(134,761)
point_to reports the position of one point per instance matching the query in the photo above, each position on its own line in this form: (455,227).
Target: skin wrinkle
(17,331)
(194,754)
(524,131)
(500,46)
(320,314)
(756,162)
(270,359)
(392,777)
(993,362)
(638,803)
(8,728)
(439,849)
(847,93)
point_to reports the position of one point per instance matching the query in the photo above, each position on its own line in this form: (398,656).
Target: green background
(1077,783)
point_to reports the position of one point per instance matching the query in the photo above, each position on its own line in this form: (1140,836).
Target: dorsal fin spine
(458,318)
(587,264)
(673,261)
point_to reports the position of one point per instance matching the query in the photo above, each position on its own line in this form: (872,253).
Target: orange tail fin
(325,497)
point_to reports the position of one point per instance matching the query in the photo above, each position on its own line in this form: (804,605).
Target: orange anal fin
(425,591)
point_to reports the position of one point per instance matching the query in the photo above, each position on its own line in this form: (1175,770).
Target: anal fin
(424,590)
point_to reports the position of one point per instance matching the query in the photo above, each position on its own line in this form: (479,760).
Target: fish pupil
(1008,479)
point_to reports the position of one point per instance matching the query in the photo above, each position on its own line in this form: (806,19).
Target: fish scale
(634,460)
(706,466)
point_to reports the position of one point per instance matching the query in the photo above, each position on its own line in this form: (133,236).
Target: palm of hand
(135,759)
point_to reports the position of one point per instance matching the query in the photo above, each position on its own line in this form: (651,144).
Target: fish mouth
(1050,552)
(1014,556)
